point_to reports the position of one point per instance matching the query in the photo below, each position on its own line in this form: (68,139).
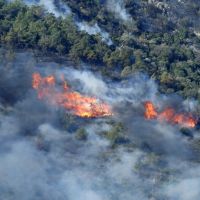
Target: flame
(169,115)
(80,105)
(150,112)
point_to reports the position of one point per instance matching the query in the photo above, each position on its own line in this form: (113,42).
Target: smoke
(186,184)
(57,7)
(180,189)
(60,9)
(136,89)
(98,87)
(45,156)
(94,30)
(190,105)
(118,8)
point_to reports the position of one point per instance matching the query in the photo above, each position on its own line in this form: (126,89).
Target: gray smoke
(118,8)
(42,157)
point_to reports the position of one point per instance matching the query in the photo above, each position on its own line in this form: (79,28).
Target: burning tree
(169,115)
(78,104)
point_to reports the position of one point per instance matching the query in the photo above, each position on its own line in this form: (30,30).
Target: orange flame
(80,105)
(150,112)
(169,115)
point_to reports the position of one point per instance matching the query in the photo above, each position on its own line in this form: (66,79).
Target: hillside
(99,99)
(149,36)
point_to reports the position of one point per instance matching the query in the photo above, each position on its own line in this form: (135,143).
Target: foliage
(150,42)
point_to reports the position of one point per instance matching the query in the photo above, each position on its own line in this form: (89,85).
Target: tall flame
(169,115)
(80,105)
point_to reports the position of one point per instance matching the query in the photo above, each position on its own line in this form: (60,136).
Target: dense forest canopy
(151,36)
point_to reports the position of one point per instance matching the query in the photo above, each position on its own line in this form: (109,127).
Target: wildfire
(169,115)
(150,112)
(80,105)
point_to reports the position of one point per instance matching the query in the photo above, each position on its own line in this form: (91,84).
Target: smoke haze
(41,157)
(94,30)
(57,7)
(117,7)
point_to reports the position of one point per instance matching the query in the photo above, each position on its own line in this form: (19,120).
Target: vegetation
(81,134)
(152,41)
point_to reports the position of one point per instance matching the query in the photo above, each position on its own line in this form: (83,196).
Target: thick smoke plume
(43,156)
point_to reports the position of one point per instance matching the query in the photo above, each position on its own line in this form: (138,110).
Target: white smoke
(190,105)
(91,84)
(57,7)
(185,185)
(135,90)
(182,189)
(117,7)
(94,30)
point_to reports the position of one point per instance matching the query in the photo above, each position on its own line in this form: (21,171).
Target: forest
(164,47)
(99,99)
